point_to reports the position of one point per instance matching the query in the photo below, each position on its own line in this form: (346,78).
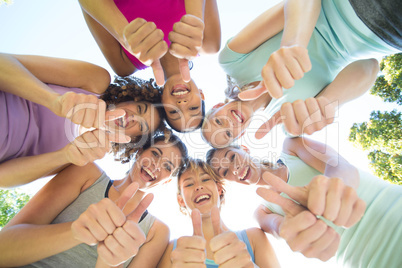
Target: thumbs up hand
(301,229)
(190,250)
(228,250)
(118,236)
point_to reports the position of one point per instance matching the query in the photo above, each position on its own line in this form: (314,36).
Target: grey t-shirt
(383,17)
(84,255)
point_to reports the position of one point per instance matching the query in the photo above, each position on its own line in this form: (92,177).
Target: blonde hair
(193,165)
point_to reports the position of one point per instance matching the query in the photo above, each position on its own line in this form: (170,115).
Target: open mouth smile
(148,174)
(237,116)
(245,174)
(180,91)
(202,198)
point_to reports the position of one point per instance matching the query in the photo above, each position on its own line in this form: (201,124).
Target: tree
(382,135)
(11,201)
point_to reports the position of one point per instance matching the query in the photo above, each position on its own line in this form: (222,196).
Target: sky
(57,28)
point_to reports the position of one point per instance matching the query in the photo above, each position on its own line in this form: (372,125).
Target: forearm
(25,243)
(12,174)
(340,168)
(18,80)
(108,15)
(212,31)
(352,82)
(300,20)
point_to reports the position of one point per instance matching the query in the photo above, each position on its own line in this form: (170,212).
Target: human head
(140,99)
(196,178)
(184,104)
(159,159)
(225,123)
(235,164)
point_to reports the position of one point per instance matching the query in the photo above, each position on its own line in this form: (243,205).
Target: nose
(181,102)
(198,188)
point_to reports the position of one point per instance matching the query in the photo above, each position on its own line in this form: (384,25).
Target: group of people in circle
(299,62)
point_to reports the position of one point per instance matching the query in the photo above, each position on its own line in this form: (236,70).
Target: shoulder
(255,234)
(158,230)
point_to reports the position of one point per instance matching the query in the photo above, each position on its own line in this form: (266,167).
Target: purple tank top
(164,13)
(28,129)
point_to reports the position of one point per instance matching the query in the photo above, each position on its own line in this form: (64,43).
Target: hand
(186,37)
(302,230)
(126,240)
(190,250)
(146,43)
(323,196)
(301,117)
(228,250)
(285,65)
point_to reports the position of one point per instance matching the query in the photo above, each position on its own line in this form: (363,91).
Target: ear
(202,94)
(216,106)
(244,148)
(180,201)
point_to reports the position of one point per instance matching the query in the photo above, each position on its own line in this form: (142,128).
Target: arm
(264,254)
(265,26)
(26,75)
(152,250)
(323,158)
(29,236)
(165,261)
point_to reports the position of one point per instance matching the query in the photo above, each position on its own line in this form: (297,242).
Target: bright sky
(57,28)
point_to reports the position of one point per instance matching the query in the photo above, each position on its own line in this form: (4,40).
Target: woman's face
(236,165)
(226,123)
(156,164)
(198,190)
(140,119)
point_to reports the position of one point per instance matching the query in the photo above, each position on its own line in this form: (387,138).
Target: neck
(281,172)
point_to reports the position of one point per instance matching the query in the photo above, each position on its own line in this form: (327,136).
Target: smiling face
(235,165)
(226,123)
(198,190)
(156,164)
(183,103)
(140,119)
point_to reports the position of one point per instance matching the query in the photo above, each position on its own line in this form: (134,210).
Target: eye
(194,108)
(167,167)
(218,122)
(188,185)
(228,134)
(155,153)
(139,109)
(225,173)
(141,127)
(232,157)
(173,112)
(207,179)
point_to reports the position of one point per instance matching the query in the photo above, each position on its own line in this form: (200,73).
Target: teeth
(244,173)
(149,173)
(180,93)
(237,117)
(205,196)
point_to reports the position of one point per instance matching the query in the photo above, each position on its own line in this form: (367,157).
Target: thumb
(216,221)
(253,93)
(158,73)
(136,214)
(289,207)
(298,194)
(111,115)
(127,194)
(197,224)
(265,128)
(184,70)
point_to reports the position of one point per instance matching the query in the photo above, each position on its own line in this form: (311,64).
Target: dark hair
(168,137)
(132,88)
(199,125)
(233,89)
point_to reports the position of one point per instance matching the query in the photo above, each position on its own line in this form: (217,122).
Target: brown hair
(131,88)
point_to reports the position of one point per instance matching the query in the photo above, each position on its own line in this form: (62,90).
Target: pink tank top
(164,13)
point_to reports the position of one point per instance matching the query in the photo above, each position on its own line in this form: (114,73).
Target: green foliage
(11,201)
(382,134)
(8,2)
(389,86)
